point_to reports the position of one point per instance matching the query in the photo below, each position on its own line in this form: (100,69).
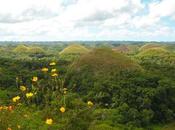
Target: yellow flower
(54,75)
(1,107)
(53,70)
(34,79)
(25,115)
(29,95)
(15,99)
(23,88)
(49,121)
(65,89)
(5,107)
(44,69)
(52,64)
(90,104)
(62,109)
(18,126)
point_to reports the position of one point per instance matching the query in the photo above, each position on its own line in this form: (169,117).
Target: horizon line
(85,41)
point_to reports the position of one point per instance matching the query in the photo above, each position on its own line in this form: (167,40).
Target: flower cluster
(28,94)
(9,108)
(15,99)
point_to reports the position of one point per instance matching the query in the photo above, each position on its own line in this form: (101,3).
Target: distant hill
(170,47)
(100,69)
(103,59)
(28,49)
(155,51)
(149,46)
(126,48)
(21,49)
(36,49)
(157,59)
(74,49)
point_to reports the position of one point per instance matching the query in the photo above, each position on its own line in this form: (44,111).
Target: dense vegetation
(87,86)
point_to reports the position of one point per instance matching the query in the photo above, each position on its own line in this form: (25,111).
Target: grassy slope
(28,49)
(74,49)
(126,48)
(105,59)
(21,48)
(149,46)
(158,51)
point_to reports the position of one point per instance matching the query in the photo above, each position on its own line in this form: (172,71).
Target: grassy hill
(149,46)
(158,54)
(126,48)
(105,60)
(21,49)
(155,51)
(36,49)
(74,49)
(28,49)
(72,52)
(170,47)
(158,60)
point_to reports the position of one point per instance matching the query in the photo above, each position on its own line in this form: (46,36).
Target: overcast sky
(39,20)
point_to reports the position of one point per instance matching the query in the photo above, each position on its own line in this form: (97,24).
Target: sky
(71,20)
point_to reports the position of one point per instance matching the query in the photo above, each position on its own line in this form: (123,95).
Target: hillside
(105,60)
(126,48)
(158,60)
(74,49)
(21,49)
(155,51)
(36,49)
(149,46)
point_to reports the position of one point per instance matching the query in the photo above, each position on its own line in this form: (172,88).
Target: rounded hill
(104,59)
(126,48)
(98,72)
(36,49)
(158,59)
(74,49)
(152,52)
(21,49)
(149,46)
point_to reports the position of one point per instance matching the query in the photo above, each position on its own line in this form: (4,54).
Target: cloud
(162,8)
(96,10)
(157,10)
(85,19)
(14,11)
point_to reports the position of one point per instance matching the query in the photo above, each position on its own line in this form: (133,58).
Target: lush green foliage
(130,91)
